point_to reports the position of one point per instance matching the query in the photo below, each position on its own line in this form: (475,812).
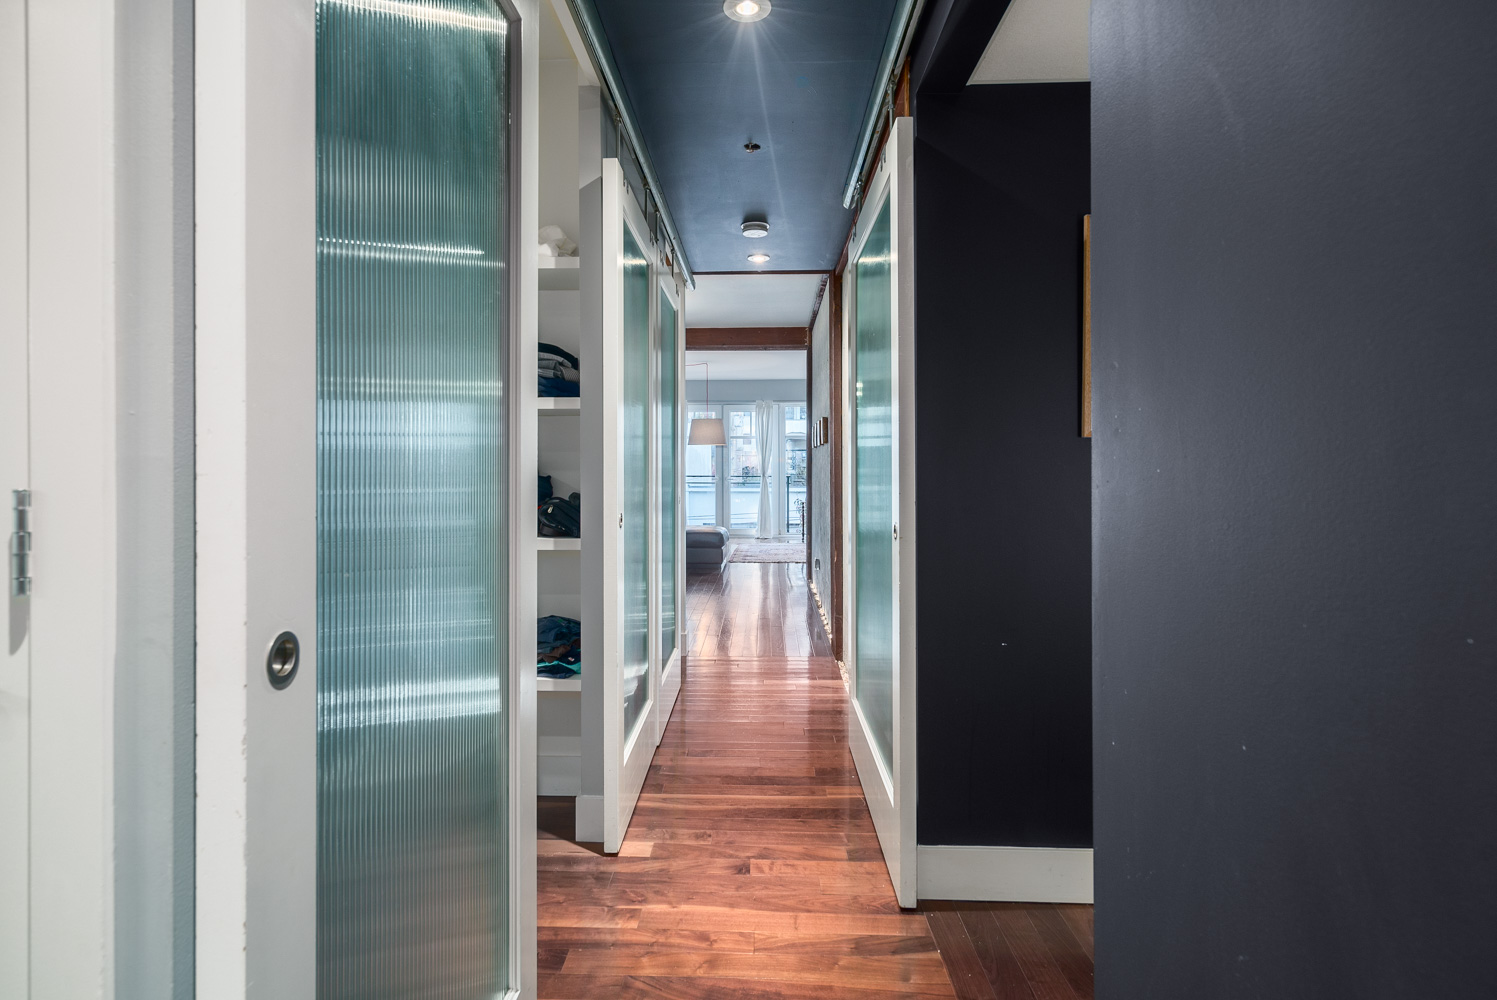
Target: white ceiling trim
(752,299)
(732,366)
(1039,41)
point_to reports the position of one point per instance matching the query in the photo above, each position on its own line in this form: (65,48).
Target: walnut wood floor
(751,868)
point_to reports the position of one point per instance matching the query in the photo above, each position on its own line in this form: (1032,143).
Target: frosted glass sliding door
(413,325)
(873,498)
(634,461)
(668,423)
(879,527)
(633,698)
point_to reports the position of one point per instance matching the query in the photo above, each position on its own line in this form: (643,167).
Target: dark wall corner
(1004,482)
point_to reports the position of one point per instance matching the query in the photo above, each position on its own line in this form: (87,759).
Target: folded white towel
(554,243)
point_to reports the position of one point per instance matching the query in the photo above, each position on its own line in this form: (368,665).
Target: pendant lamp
(706,430)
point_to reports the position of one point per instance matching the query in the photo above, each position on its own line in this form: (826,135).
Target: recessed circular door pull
(282,660)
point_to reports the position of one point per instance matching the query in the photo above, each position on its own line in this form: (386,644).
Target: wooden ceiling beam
(747,338)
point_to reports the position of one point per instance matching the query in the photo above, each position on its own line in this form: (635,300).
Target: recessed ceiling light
(746,10)
(755,230)
(759,258)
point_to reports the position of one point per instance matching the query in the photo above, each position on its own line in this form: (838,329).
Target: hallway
(751,868)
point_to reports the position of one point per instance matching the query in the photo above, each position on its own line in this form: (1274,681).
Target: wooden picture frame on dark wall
(1086,326)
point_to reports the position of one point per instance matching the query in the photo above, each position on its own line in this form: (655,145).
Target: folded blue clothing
(560,671)
(551,351)
(558,644)
(559,387)
(554,629)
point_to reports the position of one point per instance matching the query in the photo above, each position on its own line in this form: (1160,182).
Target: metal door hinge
(20,543)
(896,532)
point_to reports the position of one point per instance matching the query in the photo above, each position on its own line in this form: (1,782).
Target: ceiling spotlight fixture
(755,230)
(759,258)
(752,147)
(746,10)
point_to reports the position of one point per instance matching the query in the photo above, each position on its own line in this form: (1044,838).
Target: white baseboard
(590,819)
(1005,874)
(558,775)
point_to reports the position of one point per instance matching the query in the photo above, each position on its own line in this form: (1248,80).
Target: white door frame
(71,329)
(626,755)
(88,332)
(256,474)
(668,283)
(256,497)
(890,792)
(15,474)
(524,725)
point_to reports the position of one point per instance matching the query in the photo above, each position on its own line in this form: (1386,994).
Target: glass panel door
(743,470)
(630,696)
(879,529)
(873,499)
(413,302)
(701,474)
(668,423)
(634,460)
(793,433)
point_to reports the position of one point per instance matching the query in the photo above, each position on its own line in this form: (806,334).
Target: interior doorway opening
(754,485)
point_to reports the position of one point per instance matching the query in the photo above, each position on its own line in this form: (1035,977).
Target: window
(794,423)
(743,470)
(701,475)
(725,490)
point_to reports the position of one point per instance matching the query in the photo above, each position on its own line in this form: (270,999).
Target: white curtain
(765,437)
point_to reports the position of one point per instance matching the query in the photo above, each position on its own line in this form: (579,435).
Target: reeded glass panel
(873,458)
(412,332)
(634,417)
(668,422)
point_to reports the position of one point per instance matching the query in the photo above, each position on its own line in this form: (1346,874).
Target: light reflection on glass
(476,19)
(873,474)
(412,588)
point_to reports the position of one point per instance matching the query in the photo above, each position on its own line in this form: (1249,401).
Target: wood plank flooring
(751,868)
(753,610)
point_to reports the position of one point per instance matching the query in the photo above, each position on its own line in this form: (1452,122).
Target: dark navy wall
(1004,555)
(1295,263)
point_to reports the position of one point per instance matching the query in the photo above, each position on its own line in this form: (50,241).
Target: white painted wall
(748,390)
(1039,41)
(558,135)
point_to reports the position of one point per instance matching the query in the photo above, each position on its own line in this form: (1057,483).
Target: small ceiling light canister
(755,230)
(759,258)
(746,10)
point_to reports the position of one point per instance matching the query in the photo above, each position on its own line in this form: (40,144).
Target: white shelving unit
(559,275)
(558,429)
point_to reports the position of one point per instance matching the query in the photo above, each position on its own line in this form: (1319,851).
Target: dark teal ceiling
(797,83)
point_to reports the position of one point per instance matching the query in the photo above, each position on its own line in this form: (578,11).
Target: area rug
(768,552)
